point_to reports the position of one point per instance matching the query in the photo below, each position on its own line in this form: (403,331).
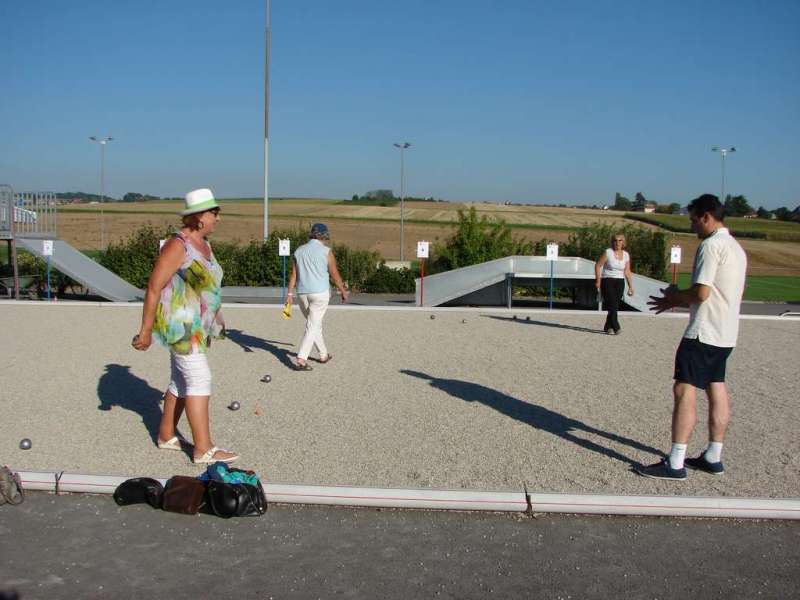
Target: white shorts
(190,375)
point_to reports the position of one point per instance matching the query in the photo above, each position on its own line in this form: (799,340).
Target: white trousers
(190,375)
(313,307)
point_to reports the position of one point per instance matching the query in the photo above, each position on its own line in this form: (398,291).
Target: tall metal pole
(102,142)
(102,195)
(266,117)
(723,153)
(402,202)
(722,198)
(402,147)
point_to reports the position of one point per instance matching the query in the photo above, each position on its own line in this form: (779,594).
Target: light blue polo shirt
(312,268)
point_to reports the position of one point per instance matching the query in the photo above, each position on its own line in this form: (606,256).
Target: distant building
(646,207)
(751,215)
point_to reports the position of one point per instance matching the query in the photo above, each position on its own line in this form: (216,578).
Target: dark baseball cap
(319,230)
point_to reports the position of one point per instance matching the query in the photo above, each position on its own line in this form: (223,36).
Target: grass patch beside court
(763,288)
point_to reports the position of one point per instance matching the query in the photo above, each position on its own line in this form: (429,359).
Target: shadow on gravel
(119,387)
(248,342)
(528,321)
(535,416)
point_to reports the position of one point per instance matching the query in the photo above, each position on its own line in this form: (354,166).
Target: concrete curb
(522,501)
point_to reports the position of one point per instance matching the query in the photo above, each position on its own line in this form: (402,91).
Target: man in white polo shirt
(714,299)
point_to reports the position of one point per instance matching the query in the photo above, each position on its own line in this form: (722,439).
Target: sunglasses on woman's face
(214,211)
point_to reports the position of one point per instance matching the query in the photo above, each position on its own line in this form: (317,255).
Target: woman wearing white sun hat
(182,311)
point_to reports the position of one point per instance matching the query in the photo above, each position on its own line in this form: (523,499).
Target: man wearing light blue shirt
(313,266)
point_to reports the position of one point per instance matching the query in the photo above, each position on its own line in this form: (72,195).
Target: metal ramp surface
(491,283)
(81,268)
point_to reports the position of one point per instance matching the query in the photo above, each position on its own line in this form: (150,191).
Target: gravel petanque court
(550,403)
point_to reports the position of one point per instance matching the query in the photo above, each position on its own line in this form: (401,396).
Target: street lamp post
(723,153)
(402,147)
(102,142)
(266,116)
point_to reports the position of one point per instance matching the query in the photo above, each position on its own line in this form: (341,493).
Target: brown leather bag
(184,495)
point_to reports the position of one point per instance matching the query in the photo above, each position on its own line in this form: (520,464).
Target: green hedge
(254,264)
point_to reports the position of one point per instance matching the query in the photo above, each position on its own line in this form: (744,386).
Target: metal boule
(266,378)
(234,405)
(25,444)
(433,317)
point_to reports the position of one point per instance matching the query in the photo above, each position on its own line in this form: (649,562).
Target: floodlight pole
(723,153)
(402,147)
(102,142)
(266,116)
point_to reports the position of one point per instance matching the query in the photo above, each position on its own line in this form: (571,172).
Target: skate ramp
(90,274)
(491,283)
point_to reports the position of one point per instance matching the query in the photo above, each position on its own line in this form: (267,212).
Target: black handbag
(139,490)
(236,499)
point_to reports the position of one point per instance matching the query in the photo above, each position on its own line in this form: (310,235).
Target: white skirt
(190,375)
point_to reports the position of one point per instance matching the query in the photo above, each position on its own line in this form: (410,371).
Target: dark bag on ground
(139,490)
(10,487)
(184,495)
(236,499)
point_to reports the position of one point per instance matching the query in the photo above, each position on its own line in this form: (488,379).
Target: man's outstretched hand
(670,299)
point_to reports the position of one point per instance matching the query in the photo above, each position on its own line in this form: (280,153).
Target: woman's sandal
(174,443)
(301,367)
(208,457)
(327,359)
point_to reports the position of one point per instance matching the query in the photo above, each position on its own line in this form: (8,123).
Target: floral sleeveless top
(188,314)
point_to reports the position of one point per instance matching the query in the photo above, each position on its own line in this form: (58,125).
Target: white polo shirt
(720,263)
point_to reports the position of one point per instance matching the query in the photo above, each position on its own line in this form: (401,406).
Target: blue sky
(541,102)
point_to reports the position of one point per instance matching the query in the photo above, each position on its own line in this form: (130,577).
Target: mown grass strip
(762,288)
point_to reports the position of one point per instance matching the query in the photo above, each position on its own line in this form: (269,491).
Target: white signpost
(47,250)
(675,259)
(423,250)
(552,256)
(284,250)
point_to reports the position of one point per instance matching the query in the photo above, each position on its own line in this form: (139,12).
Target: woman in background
(611,271)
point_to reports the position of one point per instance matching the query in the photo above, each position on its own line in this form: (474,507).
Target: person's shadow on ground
(119,387)
(534,415)
(528,321)
(249,342)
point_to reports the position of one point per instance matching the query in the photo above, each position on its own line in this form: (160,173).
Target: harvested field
(377,227)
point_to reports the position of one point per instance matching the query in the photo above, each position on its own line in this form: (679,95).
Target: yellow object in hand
(287,310)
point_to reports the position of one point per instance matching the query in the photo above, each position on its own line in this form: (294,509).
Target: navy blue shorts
(700,364)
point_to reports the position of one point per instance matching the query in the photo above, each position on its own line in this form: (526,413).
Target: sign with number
(47,247)
(552,251)
(422,249)
(284,247)
(675,255)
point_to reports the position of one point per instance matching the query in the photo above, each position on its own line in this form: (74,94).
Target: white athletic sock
(677,456)
(714,452)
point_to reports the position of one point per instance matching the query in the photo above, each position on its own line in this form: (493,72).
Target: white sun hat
(198,201)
